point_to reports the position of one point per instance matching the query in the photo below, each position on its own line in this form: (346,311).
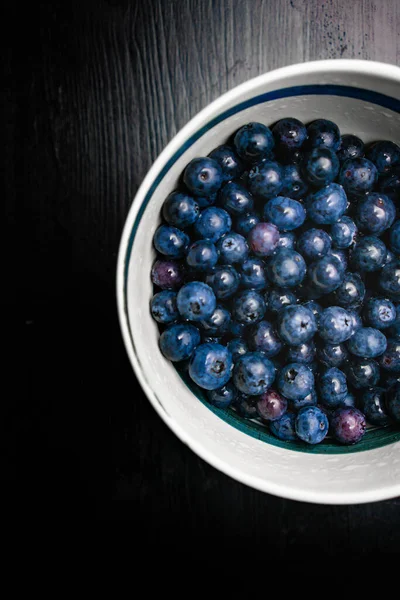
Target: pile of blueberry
(279,270)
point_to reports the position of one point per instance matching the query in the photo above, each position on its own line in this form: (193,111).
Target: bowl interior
(361,102)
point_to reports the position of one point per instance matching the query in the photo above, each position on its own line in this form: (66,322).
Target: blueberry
(326,205)
(167,274)
(390,359)
(362,372)
(321,167)
(202,255)
(287,239)
(178,341)
(314,244)
(343,232)
(253,374)
(218,323)
(286,268)
(326,274)
(303,353)
(248,307)
(335,325)
(390,183)
(389,280)
(203,176)
(224,281)
(285,213)
(373,406)
(284,428)
(271,406)
(367,343)
(246,406)
(358,176)
(379,313)
(253,142)
(296,324)
(163,307)
(222,397)
(229,162)
(350,147)
(351,291)
(237,347)
(211,366)
(263,338)
(348,425)
(180,210)
(323,134)
(232,248)
(311,425)
(253,274)
(333,387)
(263,239)
(294,185)
(171,241)
(332,355)
(375,213)
(295,381)
(369,254)
(196,301)
(309,400)
(289,133)
(245,223)
(393,402)
(266,180)
(277,298)
(235,199)
(395,237)
(212,223)
(341,256)
(384,155)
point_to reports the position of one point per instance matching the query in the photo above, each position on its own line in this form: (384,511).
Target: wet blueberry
(327,204)
(285,213)
(303,353)
(277,298)
(350,147)
(202,255)
(266,180)
(393,402)
(196,301)
(295,381)
(343,232)
(203,176)
(287,239)
(335,325)
(218,323)
(333,387)
(253,274)
(289,133)
(178,341)
(332,355)
(211,366)
(236,199)
(248,307)
(358,176)
(351,291)
(170,241)
(253,374)
(245,223)
(286,268)
(390,358)
(314,244)
(367,343)
(379,313)
(296,324)
(212,224)
(224,281)
(311,425)
(253,142)
(321,167)
(323,134)
(310,400)
(263,338)
(237,347)
(180,210)
(362,372)
(232,248)
(389,280)
(326,274)
(229,162)
(375,213)
(369,254)
(163,307)
(384,155)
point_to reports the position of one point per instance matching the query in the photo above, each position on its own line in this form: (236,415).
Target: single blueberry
(236,199)
(393,402)
(211,366)
(326,205)
(369,254)
(343,232)
(253,274)
(218,323)
(167,274)
(321,167)
(203,176)
(212,224)
(222,397)
(232,248)
(375,213)
(163,307)
(294,185)
(180,210)
(379,313)
(303,353)
(358,176)
(314,244)
(323,134)
(373,406)
(351,291)
(326,274)
(289,133)
(237,347)
(350,147)
(284,428)
(390,358)
(362,372)
(333,387)
(296,324)
(287,239)
(266,180)
(348,425)
(332,355)
(286,268)
(248,307)
(263,338)
(196,301)
(178,341)
(285,213)
(277,298)
(311,425)
(253,142)
(202,255)
(224,281)
(229,162)
(384,155)
(389,280)
(170,241)
(253,374)
(295,381)
(263,239)
(271,406)
(367,343)
(245,223)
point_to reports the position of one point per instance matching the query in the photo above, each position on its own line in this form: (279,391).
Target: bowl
(363,98)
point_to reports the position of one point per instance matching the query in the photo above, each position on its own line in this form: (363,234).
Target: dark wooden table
(93,92)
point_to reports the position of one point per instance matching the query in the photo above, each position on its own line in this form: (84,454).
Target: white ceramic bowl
(363,98)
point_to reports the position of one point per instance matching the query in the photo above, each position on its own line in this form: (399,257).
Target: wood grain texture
(103,88)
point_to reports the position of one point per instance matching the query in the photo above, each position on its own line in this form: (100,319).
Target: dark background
(92,93)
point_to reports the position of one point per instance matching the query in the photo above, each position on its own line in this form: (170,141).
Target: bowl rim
(356,66)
